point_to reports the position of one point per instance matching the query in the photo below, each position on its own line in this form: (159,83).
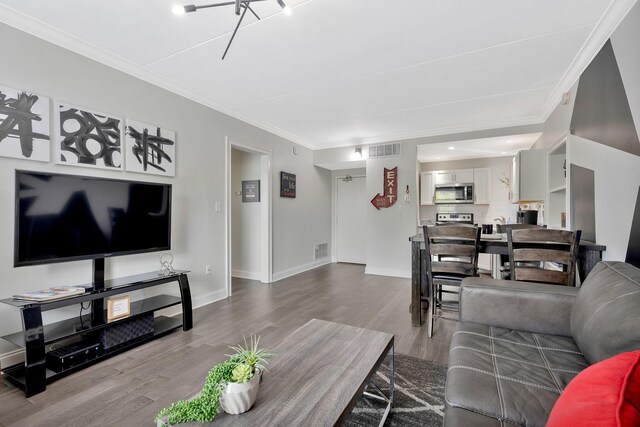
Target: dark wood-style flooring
(130,389)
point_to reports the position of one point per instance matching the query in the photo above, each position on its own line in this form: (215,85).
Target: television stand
(33,376)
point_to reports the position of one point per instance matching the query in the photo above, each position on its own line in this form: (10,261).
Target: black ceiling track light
(241,8)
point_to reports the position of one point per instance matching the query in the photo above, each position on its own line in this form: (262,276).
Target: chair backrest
(542,246)
(502,228)
(456,248)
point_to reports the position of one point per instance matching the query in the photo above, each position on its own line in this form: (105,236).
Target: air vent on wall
(385,150)
(321,251)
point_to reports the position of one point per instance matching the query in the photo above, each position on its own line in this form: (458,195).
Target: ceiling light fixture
(178,10)
(286,9)
(452,148)
(241,7)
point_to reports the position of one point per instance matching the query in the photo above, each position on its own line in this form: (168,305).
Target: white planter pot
(238,398)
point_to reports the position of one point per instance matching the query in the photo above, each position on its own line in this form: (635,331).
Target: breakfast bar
(589,254)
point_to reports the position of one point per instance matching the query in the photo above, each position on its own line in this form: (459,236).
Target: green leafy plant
(241,373)
(251,354)
(238,368)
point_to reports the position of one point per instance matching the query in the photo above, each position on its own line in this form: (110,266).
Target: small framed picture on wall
(251,191)
(287,185)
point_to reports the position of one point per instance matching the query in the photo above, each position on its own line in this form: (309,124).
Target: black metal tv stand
(33,376)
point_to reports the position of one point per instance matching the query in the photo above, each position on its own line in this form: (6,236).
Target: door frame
(266,231)
(334,214)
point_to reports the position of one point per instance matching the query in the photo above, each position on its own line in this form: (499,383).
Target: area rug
(418,397)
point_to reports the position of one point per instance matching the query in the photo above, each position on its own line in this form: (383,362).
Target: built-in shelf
(562,187)
(557,188)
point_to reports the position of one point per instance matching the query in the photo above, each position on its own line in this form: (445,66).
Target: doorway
(248,222)
(351,228)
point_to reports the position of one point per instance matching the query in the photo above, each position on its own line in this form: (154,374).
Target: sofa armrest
(524,306)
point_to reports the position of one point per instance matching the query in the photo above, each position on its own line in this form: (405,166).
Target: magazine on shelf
(51,293)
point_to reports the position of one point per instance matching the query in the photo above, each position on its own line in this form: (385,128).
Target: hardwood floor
(130,389)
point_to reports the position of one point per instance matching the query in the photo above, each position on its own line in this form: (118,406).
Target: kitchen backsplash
(482,214)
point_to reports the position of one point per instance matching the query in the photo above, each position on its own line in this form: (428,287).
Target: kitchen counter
(589,254)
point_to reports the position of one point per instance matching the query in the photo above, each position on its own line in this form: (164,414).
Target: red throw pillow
(605,394)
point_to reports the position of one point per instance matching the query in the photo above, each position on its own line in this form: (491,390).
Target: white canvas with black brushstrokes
(87,138)
(24,125)
(150,149)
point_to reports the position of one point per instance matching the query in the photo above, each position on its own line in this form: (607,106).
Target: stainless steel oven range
(454,218)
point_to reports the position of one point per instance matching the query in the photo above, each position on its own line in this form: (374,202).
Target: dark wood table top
(493,243)
(316,376)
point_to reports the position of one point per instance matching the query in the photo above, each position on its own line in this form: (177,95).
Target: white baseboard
(250,275)
(197,302)
(300,269)
(405,274)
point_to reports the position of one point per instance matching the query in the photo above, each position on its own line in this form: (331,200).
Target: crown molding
(442,131)
(602,31)
(67,41)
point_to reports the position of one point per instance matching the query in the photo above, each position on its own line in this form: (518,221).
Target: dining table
(589,254)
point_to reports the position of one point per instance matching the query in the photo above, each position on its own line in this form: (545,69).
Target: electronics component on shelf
(126,332)
(63,358)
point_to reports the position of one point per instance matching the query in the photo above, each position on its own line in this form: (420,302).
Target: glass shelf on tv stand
(33,376)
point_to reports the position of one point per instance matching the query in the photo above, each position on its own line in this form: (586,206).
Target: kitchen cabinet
(527,181)
(459,175)
(482,186)
(426,188)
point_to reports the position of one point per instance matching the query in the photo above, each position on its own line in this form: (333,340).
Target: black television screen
(67,217)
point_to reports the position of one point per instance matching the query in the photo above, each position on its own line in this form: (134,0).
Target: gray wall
(198,232)
(616,172)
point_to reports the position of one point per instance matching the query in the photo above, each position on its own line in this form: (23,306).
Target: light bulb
(178,10)
(287,11)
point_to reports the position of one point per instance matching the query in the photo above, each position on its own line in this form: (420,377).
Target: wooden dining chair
(504,268)
(451,255)
(542,255)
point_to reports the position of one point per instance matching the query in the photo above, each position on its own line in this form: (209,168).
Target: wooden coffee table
(316,376)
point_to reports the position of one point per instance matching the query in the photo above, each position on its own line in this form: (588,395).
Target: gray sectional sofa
(519,344)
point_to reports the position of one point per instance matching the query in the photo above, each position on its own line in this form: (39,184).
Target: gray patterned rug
(418,397)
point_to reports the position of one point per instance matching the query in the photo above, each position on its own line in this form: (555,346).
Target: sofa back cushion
(605,319)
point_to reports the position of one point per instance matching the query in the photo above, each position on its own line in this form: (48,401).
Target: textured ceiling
(340,72)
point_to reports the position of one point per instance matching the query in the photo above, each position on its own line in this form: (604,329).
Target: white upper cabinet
(482,186)
(426,188)
(458,175)
(528,177)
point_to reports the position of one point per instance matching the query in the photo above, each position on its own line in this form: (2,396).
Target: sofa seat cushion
(510,375)
(456,417)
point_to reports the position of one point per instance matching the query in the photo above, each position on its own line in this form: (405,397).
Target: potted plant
(232,384)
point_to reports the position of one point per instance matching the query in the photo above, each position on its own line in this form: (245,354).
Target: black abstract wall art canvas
(87,138)
(150,149)
(24,125)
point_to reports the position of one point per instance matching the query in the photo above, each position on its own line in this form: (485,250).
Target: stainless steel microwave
(453,193)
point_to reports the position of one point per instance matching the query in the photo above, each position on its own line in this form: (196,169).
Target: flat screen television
(68,217)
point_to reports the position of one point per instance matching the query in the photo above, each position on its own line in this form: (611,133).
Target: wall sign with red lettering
(390,190)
